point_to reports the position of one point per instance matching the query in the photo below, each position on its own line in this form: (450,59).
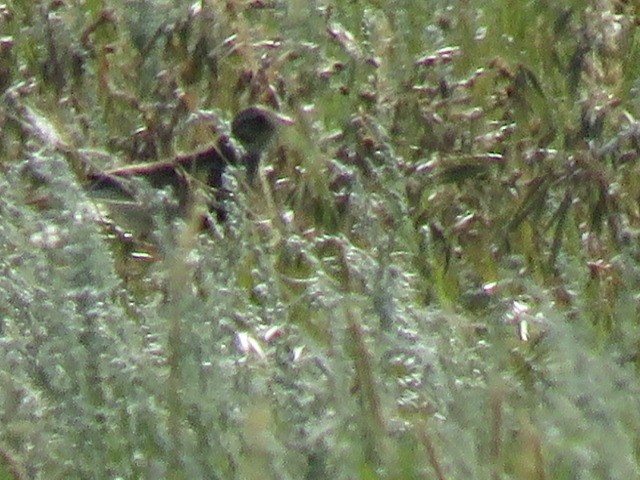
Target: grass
(436,276)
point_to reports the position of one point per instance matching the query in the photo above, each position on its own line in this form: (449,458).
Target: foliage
(436,276)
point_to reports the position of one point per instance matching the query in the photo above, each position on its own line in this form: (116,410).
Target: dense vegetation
(436,276)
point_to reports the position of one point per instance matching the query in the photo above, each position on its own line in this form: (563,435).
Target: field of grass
(437,275)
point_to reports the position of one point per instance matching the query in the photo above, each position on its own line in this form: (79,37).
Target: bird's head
(255,127)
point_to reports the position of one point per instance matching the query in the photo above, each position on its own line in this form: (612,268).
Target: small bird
(119,189)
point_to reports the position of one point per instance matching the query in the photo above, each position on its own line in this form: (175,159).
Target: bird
(120,191)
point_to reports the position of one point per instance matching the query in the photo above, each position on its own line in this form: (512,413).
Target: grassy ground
(436,276)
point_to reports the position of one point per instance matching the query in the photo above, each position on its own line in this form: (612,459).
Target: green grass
(436,276)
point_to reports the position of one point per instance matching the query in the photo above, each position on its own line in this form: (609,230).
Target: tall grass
(435,276)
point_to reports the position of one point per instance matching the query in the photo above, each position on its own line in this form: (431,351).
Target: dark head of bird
(255,128)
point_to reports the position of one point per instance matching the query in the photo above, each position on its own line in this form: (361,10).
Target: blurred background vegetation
(436,277)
